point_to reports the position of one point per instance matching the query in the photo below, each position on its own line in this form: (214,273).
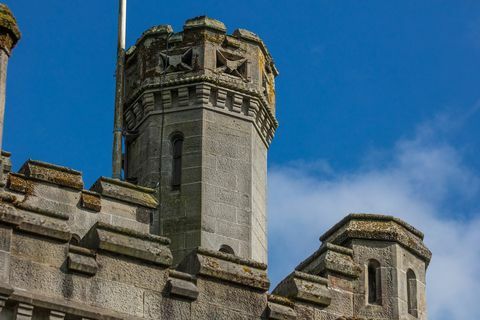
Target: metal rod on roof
(119,93)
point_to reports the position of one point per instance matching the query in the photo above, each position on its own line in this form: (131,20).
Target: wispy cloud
(426,183)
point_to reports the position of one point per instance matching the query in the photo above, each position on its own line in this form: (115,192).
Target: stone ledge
(371,217)
(204,22)
(42,211)
(125,192)
(129,243)
(331,258)
(46,172)
(280,312)
(9,215)
(225,267)
(45,228)
(305,287)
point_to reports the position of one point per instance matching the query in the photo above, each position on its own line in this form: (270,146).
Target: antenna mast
(119,92)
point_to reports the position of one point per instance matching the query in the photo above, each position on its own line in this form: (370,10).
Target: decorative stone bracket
(81,260)
(305,287)
(182,285)
(226,267)
(129,243)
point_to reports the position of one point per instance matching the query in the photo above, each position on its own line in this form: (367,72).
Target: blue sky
(377,102)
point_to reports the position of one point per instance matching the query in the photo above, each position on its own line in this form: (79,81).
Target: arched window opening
(412,293)
(226,249)
(374,289)
(177,146)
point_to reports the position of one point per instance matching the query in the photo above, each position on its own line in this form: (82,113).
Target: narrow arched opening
(374,282)
(412,293)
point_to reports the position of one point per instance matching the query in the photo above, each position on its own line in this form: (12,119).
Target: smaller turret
(374,267)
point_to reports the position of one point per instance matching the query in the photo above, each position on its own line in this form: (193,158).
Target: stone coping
(284,301)
(226,267)
(232,258)
(132,233)
(51,173)
(125,192)
(300,286)
(323,248)
(81,250)
(373,217)
(128,243)
(309,277)
(204,22)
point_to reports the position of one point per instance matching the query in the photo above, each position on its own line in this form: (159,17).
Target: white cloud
(425,183)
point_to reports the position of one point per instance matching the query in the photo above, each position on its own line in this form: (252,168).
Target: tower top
(9,32)
(202,51)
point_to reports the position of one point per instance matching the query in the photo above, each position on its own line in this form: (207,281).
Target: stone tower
(200,116)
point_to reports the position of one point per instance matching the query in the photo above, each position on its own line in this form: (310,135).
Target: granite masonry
(185,236)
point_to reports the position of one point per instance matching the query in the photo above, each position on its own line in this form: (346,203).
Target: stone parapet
(226,267)
(378,227)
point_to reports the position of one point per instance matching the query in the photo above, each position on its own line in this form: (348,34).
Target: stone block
(81,260)
(226,267)
(125,192)
(129,243)
(51,173)
(305,287)
(182,285)
(91,201)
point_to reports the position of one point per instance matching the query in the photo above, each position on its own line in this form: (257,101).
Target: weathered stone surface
(91,201)
(226,267)
(331,258)
(51,173)
(378,227)
(305,287)
(81,260)
(280,308)
(182,285)
(124,191)
(129,243)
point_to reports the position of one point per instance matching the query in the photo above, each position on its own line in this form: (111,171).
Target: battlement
(204,67)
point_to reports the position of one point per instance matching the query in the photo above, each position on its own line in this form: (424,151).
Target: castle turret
(9,36)
(200,116)
(377,266)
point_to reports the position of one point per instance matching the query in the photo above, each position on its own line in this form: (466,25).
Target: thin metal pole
(119,92)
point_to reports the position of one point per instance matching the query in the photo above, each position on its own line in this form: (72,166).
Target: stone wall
(70,253)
